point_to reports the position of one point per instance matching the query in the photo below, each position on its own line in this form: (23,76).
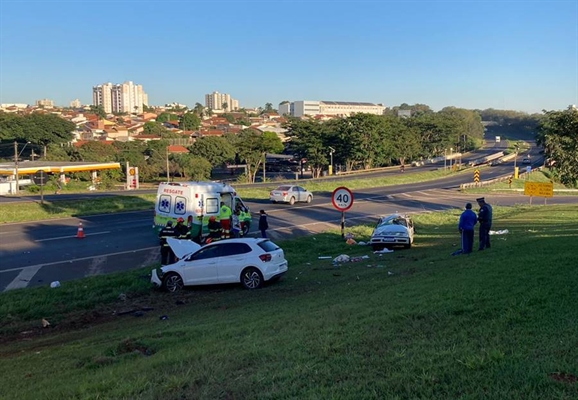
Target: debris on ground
(383,251)
(341,258)
(361,243)
(45,323)
(501,232)
(122,297)
(324,257)
(55,284)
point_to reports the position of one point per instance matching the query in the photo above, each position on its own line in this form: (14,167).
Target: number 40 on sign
(342,200)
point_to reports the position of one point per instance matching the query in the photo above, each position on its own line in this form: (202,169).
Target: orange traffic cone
(80,231)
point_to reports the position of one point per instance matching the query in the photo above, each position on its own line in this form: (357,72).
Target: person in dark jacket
(468,220)
(215,230)
(263,224)
(167,255)
(485,220)
(182,231)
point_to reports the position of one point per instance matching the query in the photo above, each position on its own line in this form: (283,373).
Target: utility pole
(168,175)
(16,165)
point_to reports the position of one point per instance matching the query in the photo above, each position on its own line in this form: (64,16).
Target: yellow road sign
(477,175)
(539,189)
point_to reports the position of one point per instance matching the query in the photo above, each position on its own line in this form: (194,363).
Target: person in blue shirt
(468,220)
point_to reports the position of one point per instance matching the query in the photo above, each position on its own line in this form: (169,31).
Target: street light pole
(331,151)
(168,174)
(16,156)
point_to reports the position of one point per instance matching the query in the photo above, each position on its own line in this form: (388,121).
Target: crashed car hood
(182,248)
(389,229)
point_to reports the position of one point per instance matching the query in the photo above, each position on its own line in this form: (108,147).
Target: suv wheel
(251,278)
(173,282)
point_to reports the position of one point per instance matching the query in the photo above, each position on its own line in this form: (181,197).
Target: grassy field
(412,324)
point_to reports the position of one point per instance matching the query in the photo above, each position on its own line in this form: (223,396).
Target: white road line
(23,278)
(77,259)
(73,236)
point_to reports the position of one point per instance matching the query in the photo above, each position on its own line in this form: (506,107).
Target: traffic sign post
(342,200)
(477,176)
(39,178)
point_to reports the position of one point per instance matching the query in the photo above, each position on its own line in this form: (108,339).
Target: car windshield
(392,220)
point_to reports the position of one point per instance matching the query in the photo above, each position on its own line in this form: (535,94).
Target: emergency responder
(214,230)
(225,220)
(167,255)
(182,231)
(236,225)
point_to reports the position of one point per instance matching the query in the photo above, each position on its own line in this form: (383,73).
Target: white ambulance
(195,202)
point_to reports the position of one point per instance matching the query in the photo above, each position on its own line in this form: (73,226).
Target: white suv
(250,261)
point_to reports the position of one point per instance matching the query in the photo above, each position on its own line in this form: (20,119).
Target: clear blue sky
(516,55)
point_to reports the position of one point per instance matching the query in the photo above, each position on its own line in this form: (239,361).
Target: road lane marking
(78,259)
(23,278)
(73,236)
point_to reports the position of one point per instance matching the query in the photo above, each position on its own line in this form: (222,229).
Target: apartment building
(75,103)
(334,108)
(44,103)
(123,97)
(216,100)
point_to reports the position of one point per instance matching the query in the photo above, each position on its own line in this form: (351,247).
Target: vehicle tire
(274,201)
(309,199)
(292,200)
(251,278)
(377,247)
(173,282)
(407,246)
(245,229)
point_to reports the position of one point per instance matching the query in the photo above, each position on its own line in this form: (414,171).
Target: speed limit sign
(342,199)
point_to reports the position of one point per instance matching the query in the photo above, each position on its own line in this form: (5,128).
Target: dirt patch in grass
(154,301)
(563,377)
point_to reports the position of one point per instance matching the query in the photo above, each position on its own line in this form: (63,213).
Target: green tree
(43,129)
(558,134)
(217,150)
(225,106)
(98,110)
(189,121)
(309,139)
(193,167)
(165,116)
(199,109)
(268,108)
(251,148)
(154,128)
(96,151)
(272,142)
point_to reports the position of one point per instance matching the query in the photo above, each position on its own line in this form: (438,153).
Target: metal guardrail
(496,180)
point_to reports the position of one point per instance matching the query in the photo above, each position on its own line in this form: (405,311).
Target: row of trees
(360,141)
(558,134)
(364,141)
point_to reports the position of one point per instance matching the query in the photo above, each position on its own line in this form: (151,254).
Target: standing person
(215,230)
(236,225)
(225,219)
(263,224)
(468,220)
(485,220)
(167,255)
(181,230)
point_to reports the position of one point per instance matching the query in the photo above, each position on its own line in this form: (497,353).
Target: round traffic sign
(342,198)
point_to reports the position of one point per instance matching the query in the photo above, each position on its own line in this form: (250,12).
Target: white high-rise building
(216,100)
(336,108)
(75,103)
(123,97)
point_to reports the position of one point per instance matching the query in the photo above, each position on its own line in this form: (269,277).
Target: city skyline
(514,55)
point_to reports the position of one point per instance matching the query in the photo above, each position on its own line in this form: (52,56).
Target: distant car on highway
(290,194)
(392,230)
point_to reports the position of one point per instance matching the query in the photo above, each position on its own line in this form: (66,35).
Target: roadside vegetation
(414,323)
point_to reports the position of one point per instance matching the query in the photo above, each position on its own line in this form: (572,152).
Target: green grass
(35,211)
(418,323)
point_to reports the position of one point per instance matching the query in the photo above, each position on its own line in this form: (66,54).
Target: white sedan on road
(250,261)
(290,194)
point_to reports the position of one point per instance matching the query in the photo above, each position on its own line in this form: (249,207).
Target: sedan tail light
(285,193)
(265,257)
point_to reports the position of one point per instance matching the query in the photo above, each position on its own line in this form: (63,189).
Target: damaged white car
(392,230)
(250,261)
